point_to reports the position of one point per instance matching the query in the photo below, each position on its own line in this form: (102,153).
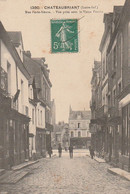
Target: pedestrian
(59,150)
(71,151)
(65,148)
(91,152)
(50,151)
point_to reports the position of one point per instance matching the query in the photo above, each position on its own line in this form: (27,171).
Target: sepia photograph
(65,96)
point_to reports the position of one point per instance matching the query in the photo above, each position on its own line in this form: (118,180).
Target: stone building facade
(25,97)
(79,128)
(40,104)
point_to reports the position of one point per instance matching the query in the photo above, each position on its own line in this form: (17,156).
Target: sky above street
(70,73)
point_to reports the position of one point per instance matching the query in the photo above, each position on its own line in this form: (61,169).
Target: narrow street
(64,175)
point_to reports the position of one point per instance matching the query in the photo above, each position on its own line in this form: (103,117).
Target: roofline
(11,48)
(122,20)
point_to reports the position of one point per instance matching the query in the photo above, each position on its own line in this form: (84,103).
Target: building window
(104,68)
(41,116)
(79,134)
(109,100)
(32,116)
(31,93)
(38,118)
(9,77)
(119,87)
(78,125)
(72,134)
(22,92)
(114,97)
(114,57)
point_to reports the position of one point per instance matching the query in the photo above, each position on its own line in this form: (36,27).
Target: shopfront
(124,158)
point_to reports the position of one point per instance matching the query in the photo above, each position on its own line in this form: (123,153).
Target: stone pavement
(80,175)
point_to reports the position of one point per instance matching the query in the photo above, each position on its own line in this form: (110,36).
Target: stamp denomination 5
(64,35)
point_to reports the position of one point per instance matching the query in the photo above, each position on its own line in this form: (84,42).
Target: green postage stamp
(64,35)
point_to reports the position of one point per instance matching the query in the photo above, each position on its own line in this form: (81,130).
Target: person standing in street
(59,150)
(71,151)
(91,152)
(50,151)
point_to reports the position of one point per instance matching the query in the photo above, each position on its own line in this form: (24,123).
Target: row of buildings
(110,102)
(26,114)
(60,135)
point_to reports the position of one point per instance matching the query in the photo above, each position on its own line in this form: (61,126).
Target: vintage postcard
(64,96)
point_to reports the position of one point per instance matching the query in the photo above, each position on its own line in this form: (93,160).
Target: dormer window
(31,93)
(79,117)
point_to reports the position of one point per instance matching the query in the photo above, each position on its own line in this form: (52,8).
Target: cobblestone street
(64,175)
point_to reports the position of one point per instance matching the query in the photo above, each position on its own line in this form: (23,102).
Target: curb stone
(119,172)
(24,165)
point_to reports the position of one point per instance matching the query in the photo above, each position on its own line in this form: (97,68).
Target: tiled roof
(79,115)
(34,69)
(6,39)
(44,67)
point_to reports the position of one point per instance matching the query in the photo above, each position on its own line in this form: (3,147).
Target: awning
(99,121)
(115,120)
(102,121)
(93,121)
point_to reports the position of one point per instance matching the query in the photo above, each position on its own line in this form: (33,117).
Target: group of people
(70,150)
(50,152)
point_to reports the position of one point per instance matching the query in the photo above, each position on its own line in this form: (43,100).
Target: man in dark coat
(91,152)
(71,151)
(50,151)
(60,150)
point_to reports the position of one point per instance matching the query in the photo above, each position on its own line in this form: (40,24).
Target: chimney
(27,53)
(46,66)
(70,109)
(43,59)
(108,20)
